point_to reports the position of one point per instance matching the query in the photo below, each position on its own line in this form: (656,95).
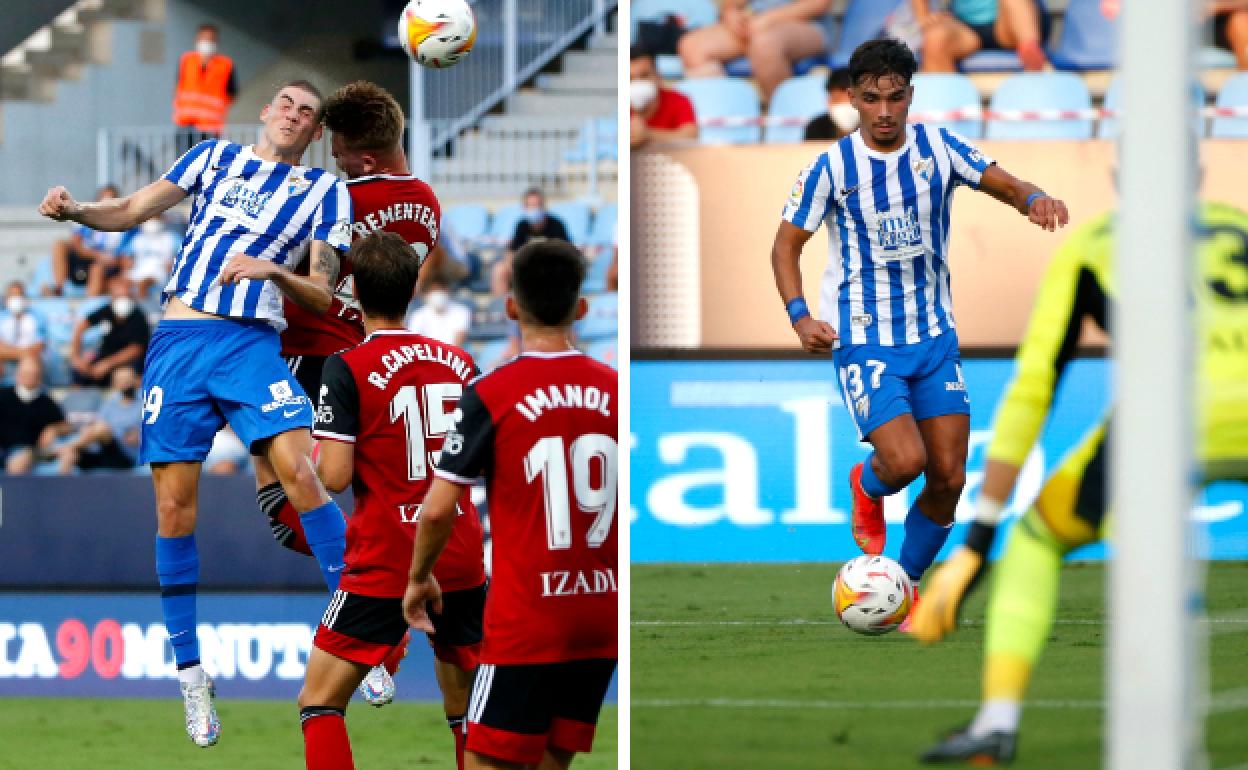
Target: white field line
(1230,620)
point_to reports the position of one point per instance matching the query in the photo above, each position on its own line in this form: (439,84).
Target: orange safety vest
(200,98)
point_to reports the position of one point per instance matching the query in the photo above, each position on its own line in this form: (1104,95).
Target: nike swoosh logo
(291,414)
(336,567)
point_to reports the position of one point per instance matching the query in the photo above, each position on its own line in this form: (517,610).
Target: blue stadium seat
(503,225)
(605,133)
(41,277)
(603,317)
(606,351)
(1041,91)
(800,97)
(720,98)
(575,217)
(486,353)
(993,60)
(1212,58)
(740,67)
(1108,128)
(58,316)
(864,20)
(469,221)
(1234,93)
(596,276)
(490,322)
(1089,40)
(603,233)
(938,92)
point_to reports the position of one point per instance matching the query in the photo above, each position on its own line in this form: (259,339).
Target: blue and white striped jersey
(243,204)
(887,281)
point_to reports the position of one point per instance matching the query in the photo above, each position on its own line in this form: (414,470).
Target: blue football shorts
(881,382)
(201,374)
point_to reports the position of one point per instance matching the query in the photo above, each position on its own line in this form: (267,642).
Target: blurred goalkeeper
(1071,507)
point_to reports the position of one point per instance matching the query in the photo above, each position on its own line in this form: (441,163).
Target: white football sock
(988,511)
(997,716)
(192,675)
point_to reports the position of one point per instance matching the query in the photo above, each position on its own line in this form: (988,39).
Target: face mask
(534,216)
(26,394)
(15,304)
(438,299)
(129,392)
(122,306)
(844,116)
(206,48)
(641,93)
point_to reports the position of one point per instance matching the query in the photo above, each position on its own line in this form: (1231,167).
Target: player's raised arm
(113,214)
(786,256)
(1029,200)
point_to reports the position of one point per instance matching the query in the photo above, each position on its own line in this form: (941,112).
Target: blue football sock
(177,567)
(326,531)
(871,483)
(924,539)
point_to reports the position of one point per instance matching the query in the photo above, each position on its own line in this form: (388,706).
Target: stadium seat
(487,352)
(1041,91)
(596,276)
(864,20)
(1211,58)
(799,97)
(1089,40)
(80,405)
(469,221)
(503,224)
(723,98)
(575,217)
(606,351)
(41,277)
(993,60)
(490,322)
(938,92)
(602,320)
(740,67)
(58,316)
(603,232)
(1234,93)
(605,132)
(1108,128)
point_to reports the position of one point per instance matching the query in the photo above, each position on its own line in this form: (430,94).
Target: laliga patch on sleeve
(795,195)
(340,235)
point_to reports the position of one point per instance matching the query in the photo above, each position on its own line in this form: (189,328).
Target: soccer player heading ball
(886,308)
(543,431)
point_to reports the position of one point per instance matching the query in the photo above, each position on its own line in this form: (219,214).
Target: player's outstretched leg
(867,494)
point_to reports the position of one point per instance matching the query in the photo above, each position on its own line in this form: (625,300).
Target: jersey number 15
(433,425)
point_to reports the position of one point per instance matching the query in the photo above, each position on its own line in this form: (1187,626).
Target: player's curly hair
(547,274)
(366,116)
(882,57)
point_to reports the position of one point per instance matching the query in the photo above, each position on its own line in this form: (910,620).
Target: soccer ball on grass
(872,594)
(437,33)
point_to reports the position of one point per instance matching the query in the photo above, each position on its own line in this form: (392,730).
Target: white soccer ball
(437,33)
(872,594)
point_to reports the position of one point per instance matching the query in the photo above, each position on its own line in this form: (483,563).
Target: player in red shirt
(384,407)
(658,114)
(543,430)
(367,130)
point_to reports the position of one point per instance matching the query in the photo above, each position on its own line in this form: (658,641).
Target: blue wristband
(797,309)
(1034,197)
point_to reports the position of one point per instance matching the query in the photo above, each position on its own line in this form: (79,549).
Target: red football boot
(868,515)
(914,603)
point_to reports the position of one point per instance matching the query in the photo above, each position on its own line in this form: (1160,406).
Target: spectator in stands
(111,440)
(774,34)
(204,89)
(1230,28)
(87,257)
(126,333)
(151,253)
(30,420)
(439,316)
(227,455)
(613,272)
(658,114)
(974,25)
(841,118)
(20,334)
(537,222)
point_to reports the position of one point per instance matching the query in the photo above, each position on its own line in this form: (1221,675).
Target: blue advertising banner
(748,461)
(114,645)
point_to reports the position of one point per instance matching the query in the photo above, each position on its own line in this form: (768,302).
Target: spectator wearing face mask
(111,440)
(658,114)
(439,316)
(536,222)
(841,119)
(87,258)
(151,253)
(30,420)
(20,334)
(204,91)
(126,334)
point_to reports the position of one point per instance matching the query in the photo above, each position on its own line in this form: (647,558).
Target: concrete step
(503,124)
(591,83)
(601,62)
(572,105)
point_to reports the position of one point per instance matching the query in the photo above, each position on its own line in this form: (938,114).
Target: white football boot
(202,724)
(378,687)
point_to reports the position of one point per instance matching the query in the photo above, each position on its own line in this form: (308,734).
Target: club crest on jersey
(896,232)
(923,167)
(297,184)
(249,201)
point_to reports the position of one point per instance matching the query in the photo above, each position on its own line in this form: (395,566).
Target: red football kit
(393,397)
(543,430)
(398,204)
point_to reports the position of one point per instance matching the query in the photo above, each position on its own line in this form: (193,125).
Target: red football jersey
(543,430)
(393,397)
(399,204)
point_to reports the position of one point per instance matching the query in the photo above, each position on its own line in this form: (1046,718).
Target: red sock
(457,729)
(325,742)
(290,517)
(396,655)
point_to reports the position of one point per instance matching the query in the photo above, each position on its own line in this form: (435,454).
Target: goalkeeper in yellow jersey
(1071,507)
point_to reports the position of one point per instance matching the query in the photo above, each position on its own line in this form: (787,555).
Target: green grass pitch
(88,734)
(745,666)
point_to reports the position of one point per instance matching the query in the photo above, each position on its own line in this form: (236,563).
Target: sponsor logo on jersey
(578,582)
(900,231)
(283,398)
(245,199)
(862,319)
